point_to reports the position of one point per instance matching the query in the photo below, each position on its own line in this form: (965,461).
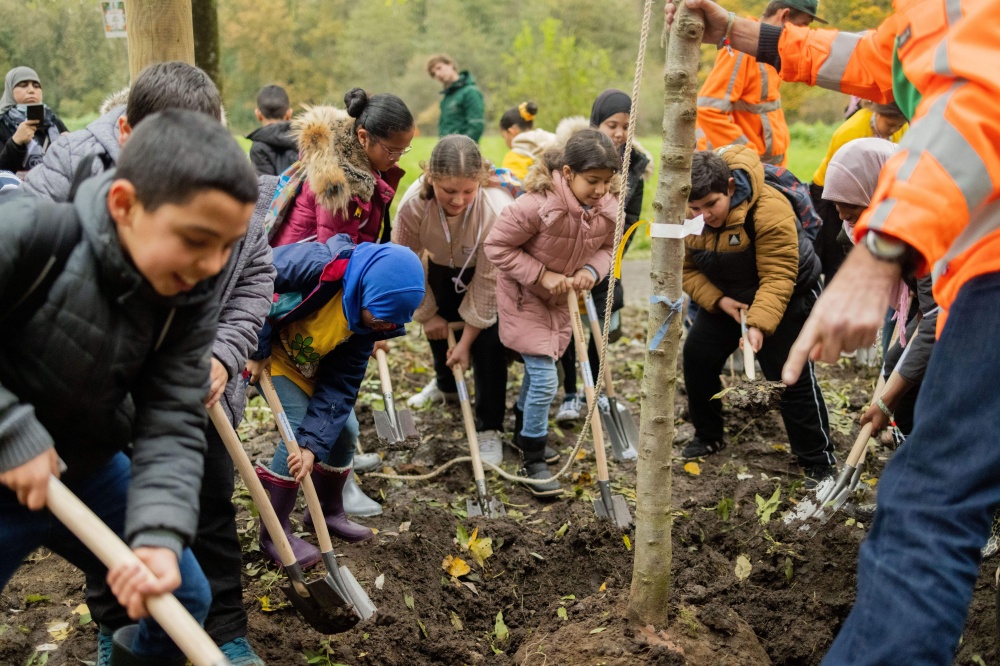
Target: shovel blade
(628,432)
(612,507)
(410,436)
(363,605)
(323,610)
(384,429)
(490,507)
(472,508)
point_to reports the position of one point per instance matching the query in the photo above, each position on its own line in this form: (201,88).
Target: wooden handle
(588,386)
(467,418)
(598,334)
(256,488)
(860,444)
(112,551)
(748,361)
(285,428)
(383,370)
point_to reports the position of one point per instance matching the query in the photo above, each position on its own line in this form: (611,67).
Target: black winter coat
(273,149)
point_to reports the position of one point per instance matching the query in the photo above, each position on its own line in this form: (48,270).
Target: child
(116,352)
(336,300)
(557,236)
(273,148)
(23,141)
(448,213)
(882,121)
(749,258)
(349,173)
(525,143)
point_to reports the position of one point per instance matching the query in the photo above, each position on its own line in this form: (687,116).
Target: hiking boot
(569,410)
(122,654)
(699,448)
(430,394)
(816,474)
(239,653)
(357,503)
(329,486)
(490,447)
(283,491)
(864,513)
(104,643)
(367,462)
(540,470)
(549,454)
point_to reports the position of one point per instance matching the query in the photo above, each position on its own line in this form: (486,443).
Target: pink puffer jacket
(546,229)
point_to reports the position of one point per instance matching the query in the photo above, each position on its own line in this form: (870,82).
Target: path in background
(635,278)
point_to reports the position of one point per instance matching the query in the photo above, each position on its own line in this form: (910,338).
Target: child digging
(117,352)
(558,236)
(749,258)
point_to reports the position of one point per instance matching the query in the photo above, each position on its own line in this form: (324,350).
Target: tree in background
(205,17)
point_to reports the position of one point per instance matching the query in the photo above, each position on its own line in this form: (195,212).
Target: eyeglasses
(394,154)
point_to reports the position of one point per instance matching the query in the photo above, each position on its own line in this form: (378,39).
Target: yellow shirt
(858,126)
(517,163)
(306,341)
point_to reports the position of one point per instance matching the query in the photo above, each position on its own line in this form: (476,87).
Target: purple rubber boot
(330,490)
(283,491)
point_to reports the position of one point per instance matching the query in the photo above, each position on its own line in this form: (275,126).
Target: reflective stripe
(763,107)
(831,73)
(776,160)
(765,125)
(985,222)
(741,140)
(941,64)
(763,82)
(723,105)
(953,11)
(732,78)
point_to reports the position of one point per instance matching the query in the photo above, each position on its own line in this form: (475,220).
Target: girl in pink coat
(558,236)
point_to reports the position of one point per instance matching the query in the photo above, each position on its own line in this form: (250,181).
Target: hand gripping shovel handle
(112,551)
(588,385)
(748,361)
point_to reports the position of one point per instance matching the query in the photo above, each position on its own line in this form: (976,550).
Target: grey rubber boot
(357,503)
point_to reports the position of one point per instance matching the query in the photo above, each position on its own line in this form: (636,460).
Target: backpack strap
(85,170)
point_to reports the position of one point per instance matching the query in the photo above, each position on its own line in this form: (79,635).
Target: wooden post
(158,31)
(207,54)
(650,592)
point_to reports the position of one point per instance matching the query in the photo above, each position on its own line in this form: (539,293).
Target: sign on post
(114,18)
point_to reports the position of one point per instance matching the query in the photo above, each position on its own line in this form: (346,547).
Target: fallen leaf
(455,566)
(693,468)
(537,556)
(604,586)
(581,454)
(628,542)
(584,479)
(500,629)
(598,630)
(743,567)
(59,631)
(380,582)
(404,527)
(568,597)
(374,530)
(481,550)
(456,622)
(84,614)
(35,598)
(265,604)
(408,600)
(471,586)
(423,629)
(46,647)
(561,612)
(561,532)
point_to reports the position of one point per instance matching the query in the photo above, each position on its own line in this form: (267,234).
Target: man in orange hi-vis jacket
(740,101)
(937,211)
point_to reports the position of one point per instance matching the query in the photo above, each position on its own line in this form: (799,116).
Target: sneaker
(817,473)
(540,470)
(104,643)
(699,448)
(239,653)
(490,447)
(430,394)
(569,410)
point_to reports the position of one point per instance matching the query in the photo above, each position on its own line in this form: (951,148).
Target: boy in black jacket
(132,313)
(273,149)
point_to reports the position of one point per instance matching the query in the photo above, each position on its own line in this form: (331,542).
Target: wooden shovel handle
(285,428)
(256,488)
(588,386)
(112,551)
(383,370)
(598,334)
(467,418)
(858,450)
(748,360)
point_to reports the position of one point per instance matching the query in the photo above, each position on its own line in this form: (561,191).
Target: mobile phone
(36,112)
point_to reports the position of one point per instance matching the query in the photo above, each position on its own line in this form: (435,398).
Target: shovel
(748,363)
(394,427)
(318,603)
(339,579)
(610,507)
(483,505)
(618,420)
(112,551)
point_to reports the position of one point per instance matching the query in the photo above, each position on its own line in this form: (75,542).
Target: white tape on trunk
(692,227)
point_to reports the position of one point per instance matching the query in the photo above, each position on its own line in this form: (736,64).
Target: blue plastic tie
(676,307)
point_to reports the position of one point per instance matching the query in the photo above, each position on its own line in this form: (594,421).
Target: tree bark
(158,31)
(650,592)
(205,16)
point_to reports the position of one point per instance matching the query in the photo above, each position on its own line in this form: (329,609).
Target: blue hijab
(385,279)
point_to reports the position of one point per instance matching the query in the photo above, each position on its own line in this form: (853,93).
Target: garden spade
(112,551)
(483,505)
(748,363)
(610,507)
(318,604)
(341,584)
(394,427)
(618,420)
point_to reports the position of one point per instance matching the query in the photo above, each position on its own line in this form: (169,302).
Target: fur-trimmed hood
(337,167)
(120,98)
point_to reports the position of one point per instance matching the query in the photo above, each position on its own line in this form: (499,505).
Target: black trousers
(714,336)
(216,547)
(488,355)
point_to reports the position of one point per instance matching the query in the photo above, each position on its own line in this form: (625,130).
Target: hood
(532,143)
(464,79)
(114,100)
(119,276)
(337,167)
(539,176)
(748,172)
(277,135)
(385,279)
(642,160)
(105,131)
(853,172)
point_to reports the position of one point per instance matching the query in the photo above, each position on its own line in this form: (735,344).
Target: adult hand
(436,328)
(732,307)
(132,584)
(25,132)
(716,17)
(218,377)
(755,337)
(257,368)
(380,344)
(301,464)
(555,282)
(459,354)
(30,481)
(583,280)
(848,314)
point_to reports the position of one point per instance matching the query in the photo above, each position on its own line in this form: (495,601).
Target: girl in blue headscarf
(334,301)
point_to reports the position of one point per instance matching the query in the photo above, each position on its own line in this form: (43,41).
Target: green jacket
(462,109)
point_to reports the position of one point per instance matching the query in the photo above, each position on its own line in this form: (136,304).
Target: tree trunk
(158,31)
(205,15)
(649,596)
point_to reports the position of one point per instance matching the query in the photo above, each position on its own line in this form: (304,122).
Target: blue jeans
(936,498)
(538,390)
(295,402)
(104,491)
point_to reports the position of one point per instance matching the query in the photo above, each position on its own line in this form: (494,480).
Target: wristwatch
(886,248)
